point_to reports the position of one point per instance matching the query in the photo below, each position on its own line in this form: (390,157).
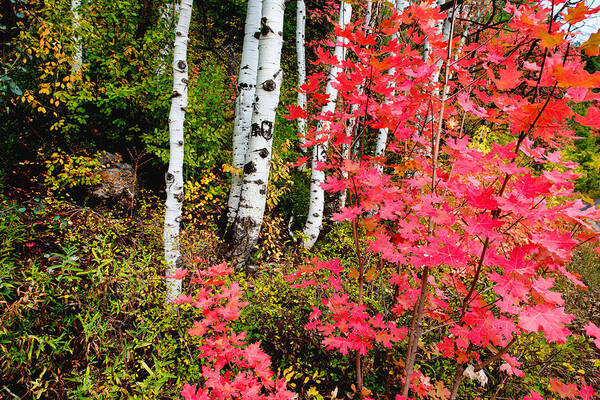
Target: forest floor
(83,313)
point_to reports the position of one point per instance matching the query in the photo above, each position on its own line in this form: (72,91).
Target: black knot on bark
(181,64)
(263,153)
(185,81)
(249,168)
(269,85)
(264,28)
(265,129)
(169,177)
(180,142)
(175,94)
(257,35)
(262,191)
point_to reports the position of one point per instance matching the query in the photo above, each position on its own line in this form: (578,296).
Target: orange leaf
(591,46)
(577,14)
(550,39)
(565,391)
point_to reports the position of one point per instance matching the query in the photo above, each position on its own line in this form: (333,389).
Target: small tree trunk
(248,221)
(317,195)
(78,48)
(243,107)
(381,143)
(369,13)
(174,178)
(301,53)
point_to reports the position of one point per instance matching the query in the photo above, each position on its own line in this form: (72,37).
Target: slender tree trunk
(248,222)
(78,47)
(317,195)
(350,128)
(243,107)
(381,143)
(174,177)
(345,156)
(301,53)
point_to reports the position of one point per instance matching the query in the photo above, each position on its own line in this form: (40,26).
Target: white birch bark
(301,54)
(78,47)
(248,222)
(174,177)
(369,13)
(317,196)
(243,106)
(345,156)
(381,143)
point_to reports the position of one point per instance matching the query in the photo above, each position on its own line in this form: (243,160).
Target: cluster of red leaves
(232,368)
(491,228)
(348,326)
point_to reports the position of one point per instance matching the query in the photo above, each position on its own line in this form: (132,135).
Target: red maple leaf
(546,317)
(592,330)
(510,77)
(296,112)
(592,118)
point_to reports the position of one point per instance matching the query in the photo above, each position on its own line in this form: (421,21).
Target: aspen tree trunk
(346,150)
(381,143)
(369,13)
(345,156)
(78,50)
(301,53)
(243,106)
(317,195)
(248,221)
(174,177)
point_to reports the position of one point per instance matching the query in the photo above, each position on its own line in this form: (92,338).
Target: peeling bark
(253,198)
(243,107)
(174,176)
(317,195)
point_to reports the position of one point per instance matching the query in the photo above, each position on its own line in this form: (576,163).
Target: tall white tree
(381,143)
(351,126)
(248,222)
(317,195)
(78,50)
(245,99)
(301,54)
(174,177)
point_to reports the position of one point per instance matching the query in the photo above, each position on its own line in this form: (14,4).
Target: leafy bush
(83,312)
